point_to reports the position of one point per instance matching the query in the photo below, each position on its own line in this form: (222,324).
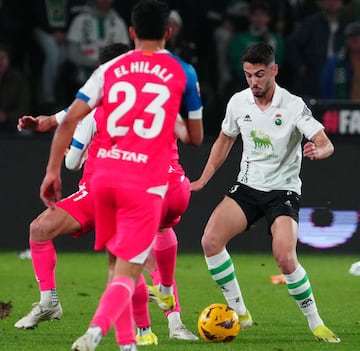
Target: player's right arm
(40,123)
(218,154)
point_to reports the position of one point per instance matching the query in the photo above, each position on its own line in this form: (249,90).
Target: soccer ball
(218,323)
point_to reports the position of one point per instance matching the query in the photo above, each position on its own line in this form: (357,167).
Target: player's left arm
(319,147)
(87,98)
(185,126)
(50,190)
(75,158)
(181,132)
(191,108)
(195,131)
(82,138)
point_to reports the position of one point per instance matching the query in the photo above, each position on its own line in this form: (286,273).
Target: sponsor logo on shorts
(234,188)
(288,203)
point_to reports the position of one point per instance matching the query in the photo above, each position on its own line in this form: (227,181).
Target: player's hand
(197,185)
(27,123)
(50,189)
(310,151)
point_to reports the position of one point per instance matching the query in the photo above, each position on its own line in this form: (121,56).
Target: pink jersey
(93,146)
(87,137)
(141,93)
(175,169)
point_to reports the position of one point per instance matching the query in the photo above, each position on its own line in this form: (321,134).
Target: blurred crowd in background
(48,48)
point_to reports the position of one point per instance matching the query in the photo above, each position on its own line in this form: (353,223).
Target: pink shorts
(80,206)
(126,221)
(176,202)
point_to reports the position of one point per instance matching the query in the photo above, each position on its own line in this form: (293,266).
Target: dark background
(332,182)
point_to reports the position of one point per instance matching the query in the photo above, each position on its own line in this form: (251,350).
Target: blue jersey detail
(75,143)
(82,96)
(191,99)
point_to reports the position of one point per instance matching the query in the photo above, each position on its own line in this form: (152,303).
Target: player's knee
(211,244)
(39,231)
(287,262)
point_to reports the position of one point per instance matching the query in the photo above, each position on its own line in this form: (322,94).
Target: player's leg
(284,232)
(164,251)
(126,222)
(165,247)
(226,221)
(114,309)
(47,226)
(140,307)
(177,330)
(140,302)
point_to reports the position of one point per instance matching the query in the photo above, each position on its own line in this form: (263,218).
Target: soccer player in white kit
(141,93)
(271,123)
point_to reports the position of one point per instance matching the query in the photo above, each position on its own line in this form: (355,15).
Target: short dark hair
(259,53)
(150,19)
(111,51)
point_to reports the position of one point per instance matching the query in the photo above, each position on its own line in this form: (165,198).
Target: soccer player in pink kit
(164,254)
(165,245)
(140,93)
(74,216)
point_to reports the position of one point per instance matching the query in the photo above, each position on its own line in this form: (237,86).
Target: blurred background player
(14,93)
(340,77)
(89,31)
(50,20)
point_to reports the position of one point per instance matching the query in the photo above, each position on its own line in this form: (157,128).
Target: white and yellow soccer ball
(218,323)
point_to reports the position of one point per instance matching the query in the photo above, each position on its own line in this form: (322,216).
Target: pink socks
(43,256)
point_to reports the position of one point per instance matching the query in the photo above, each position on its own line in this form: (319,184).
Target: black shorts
(269,204)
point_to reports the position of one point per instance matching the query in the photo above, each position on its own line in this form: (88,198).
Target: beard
(259,93)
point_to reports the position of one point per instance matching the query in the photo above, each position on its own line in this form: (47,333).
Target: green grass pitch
(279,324)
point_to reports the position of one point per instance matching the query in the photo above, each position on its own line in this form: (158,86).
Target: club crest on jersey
(278,121)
